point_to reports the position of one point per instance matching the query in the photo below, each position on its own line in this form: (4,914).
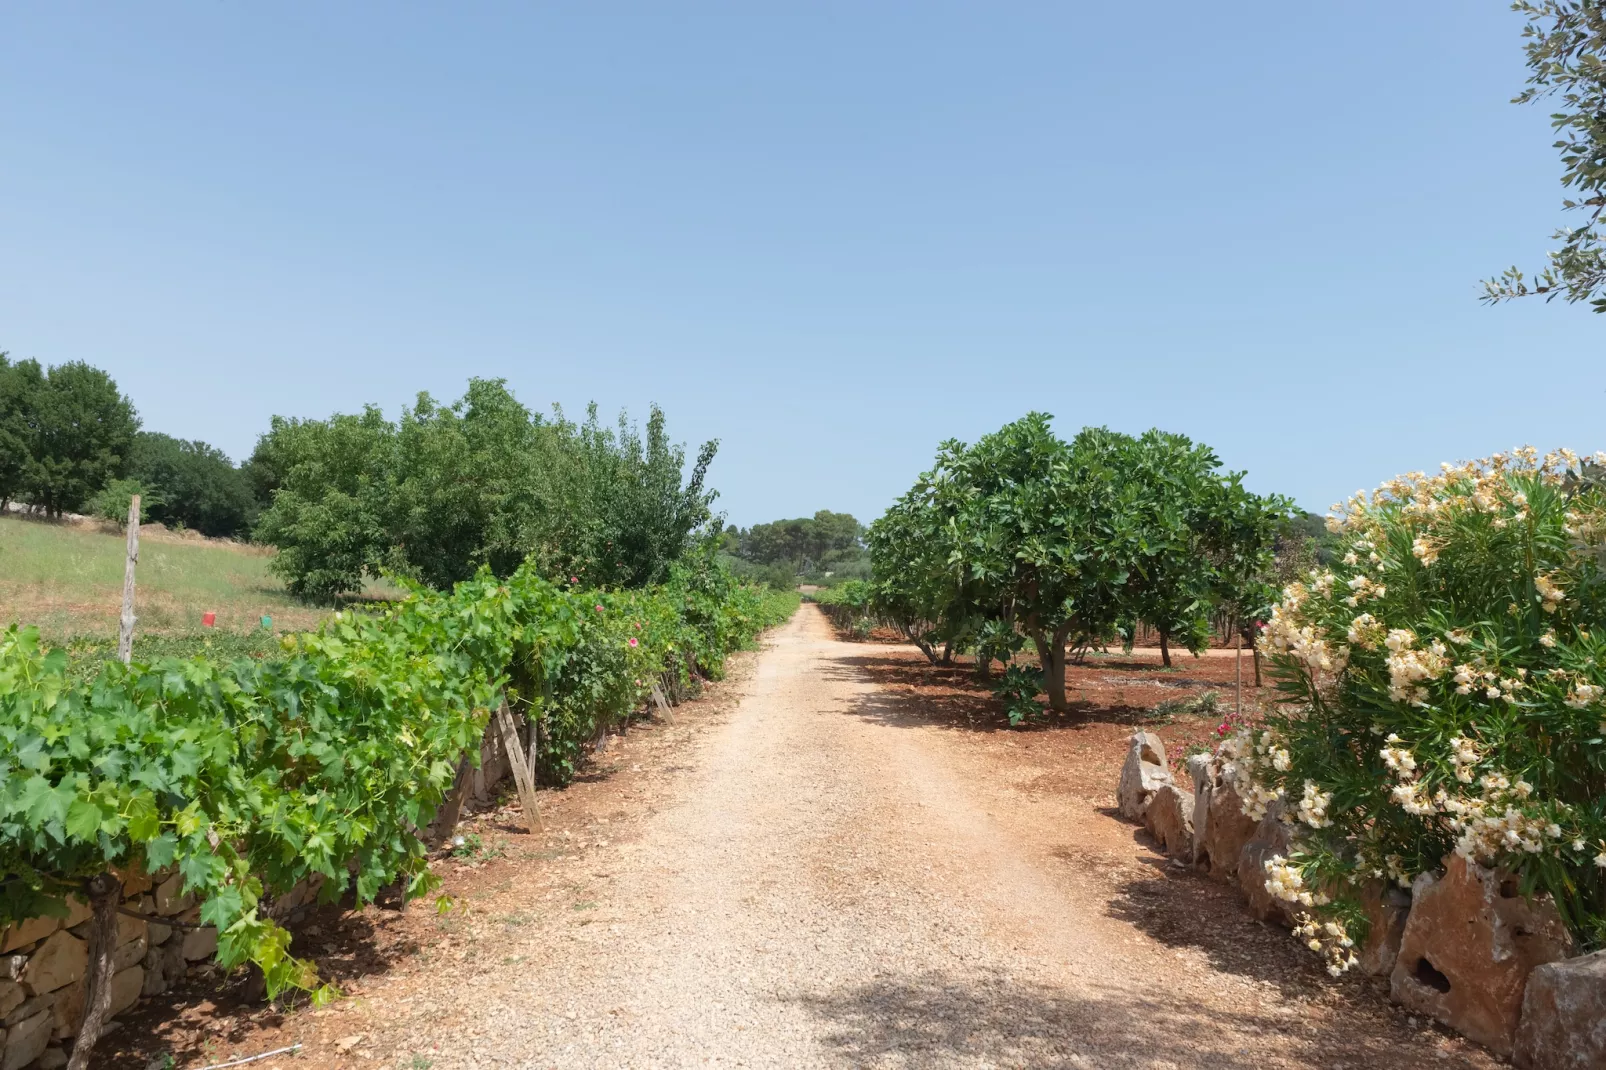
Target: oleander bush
(1440,689)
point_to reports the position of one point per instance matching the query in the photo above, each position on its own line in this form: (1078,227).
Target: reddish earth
(843,856)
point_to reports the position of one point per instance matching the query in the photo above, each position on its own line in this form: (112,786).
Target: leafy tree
(80,436)
(1565,40)
(196,485)
(330,511)
(1202,538)
(19,384)
(480,482)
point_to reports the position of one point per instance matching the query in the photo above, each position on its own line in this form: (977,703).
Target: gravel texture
(820,876)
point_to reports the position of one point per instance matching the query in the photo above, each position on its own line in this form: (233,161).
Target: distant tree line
(431,497)
(827,547)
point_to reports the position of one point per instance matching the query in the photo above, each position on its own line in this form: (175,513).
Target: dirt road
(825,877)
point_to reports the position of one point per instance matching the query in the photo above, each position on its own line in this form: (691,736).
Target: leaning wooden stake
(125,631)
(1238,671)
(522,774)
(105,895)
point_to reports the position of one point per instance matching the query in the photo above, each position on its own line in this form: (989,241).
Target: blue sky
(830,235)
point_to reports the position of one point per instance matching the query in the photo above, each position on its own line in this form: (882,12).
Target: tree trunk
(1051,654)
(1257,665)
(948,652)
(1165,648)
(452,805)
(984,667)
(105,893)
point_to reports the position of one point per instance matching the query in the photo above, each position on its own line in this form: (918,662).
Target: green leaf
(84,820)
(159,851)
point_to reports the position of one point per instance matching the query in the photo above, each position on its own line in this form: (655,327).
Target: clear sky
(828,234)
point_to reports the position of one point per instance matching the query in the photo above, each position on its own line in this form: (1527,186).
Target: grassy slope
(69,582)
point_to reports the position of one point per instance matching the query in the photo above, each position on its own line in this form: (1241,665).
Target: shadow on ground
(932,1020)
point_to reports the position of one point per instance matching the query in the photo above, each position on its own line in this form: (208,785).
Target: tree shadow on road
(934,1020)
(912,694)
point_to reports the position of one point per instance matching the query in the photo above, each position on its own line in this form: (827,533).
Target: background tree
(195,485)
(19,383)
(1565,40)
(80,436)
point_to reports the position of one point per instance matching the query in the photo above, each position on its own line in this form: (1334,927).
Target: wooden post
(125,631)
(1238,671)
(522,774)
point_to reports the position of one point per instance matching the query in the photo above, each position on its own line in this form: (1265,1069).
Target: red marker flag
(208,618)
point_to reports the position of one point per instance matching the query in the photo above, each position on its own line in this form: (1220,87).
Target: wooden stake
(125,631)
(522,774)
(1238,671)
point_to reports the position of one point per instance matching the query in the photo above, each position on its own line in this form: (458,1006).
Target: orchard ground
(838,857)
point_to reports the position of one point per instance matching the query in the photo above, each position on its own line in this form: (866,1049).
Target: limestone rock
(78,912)
(1387,908)
(26,1041)
(26,932)
(1227,830)
(1202,770)
(11,997)
(59,961)
(1169,819)
(164,966)
(1272,837)
(68,1009)
(29,1007)
(129,953)
(1469,944)
(170,897)
(1563,1024)
(126,988)
(135,880)
(50,1059)
(130,929)
(1142,775)
(199,944)
(11,966)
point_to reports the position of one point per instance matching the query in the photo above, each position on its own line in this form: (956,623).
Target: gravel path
(823,882)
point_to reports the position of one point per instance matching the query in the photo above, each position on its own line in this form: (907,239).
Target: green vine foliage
(249,776)
(1442,687)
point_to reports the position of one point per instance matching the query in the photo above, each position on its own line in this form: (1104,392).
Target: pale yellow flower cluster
(1285,881)
(1582,695)
(1313,806)
(1366,631)
(1464,755)
(1330,940)
(1551,596)
(1284,633)
(1410,666)
(1239,753)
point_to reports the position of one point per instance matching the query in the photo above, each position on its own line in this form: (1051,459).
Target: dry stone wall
(1464,948)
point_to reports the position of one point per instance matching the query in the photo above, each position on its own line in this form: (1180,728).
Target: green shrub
(111,502)
(1440,689)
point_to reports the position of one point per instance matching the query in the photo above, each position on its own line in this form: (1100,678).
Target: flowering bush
(1441,690)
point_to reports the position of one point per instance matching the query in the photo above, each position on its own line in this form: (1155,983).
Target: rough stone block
(28,1008)
(51,1059)
(1563,1023)
(1142,774)
(26,932)
(68,1009)
(26,1041)
(129,953)
(126,988)
(1202,770)
(59,961)
(1227,830)
(1273,836)
(170,896)
(1169,819)
(199,944)
(1387,908)
(1470,942)
(11,997)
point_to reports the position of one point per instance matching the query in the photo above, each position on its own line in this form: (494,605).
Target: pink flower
(574,579)
(638,625)
(633,641)
(599,609)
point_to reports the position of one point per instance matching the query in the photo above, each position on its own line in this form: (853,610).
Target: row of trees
(483,481)
(1024,537)
(432,496)
(824,547)
(70,440)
